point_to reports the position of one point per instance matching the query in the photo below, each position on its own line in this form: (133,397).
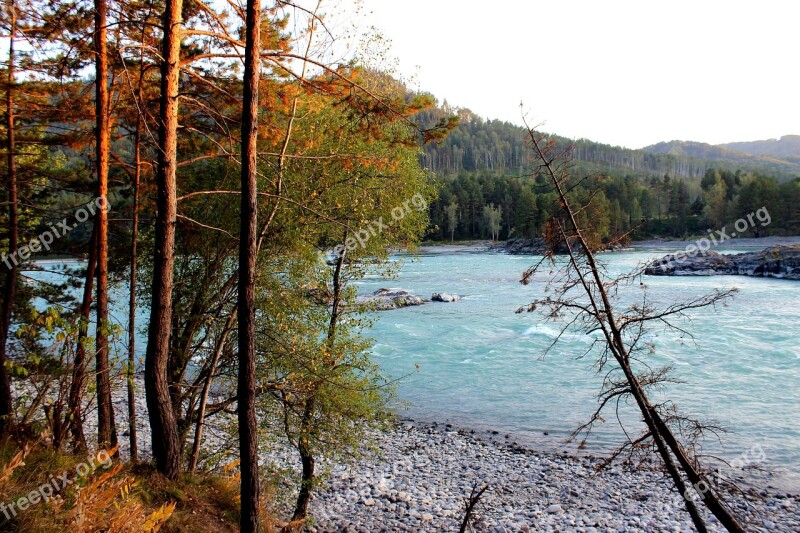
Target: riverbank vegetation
(235,209)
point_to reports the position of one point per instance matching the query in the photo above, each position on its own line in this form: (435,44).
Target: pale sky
(628,73)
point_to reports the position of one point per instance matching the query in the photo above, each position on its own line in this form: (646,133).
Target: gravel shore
(420,474)
(420,478)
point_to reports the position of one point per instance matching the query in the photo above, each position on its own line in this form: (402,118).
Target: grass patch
(113,497)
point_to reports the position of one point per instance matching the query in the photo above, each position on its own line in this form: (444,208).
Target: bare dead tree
(583,297)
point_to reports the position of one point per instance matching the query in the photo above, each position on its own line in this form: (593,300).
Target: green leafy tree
(526,220)
(493,218)
(716,210)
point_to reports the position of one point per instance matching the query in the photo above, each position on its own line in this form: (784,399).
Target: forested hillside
(489,189)
(787,147)
(498,147)
(778,164)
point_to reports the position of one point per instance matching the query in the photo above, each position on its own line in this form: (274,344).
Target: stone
(444,297)
(437,465)
(386,299)
(520,246)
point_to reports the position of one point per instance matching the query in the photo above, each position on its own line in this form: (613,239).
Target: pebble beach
(415,478)
(422,474)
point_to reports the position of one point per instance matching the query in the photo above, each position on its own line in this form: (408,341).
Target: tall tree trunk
(6,403)
(163,425)
(248,252)
(106,431)
(137,176)
(79,365)
(131,367)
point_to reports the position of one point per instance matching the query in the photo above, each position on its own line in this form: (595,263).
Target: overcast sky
(628,73)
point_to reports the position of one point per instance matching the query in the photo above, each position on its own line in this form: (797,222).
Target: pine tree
(163,425)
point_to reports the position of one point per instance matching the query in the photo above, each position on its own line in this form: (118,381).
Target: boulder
(444,297)
(520,246)
(386,299)
(775,262)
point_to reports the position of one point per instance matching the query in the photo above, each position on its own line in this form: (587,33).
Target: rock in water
(444,297)
(386,299)
(776,262)
(520,246)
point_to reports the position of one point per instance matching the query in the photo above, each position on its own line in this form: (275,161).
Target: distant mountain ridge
(781,156)
(786,147)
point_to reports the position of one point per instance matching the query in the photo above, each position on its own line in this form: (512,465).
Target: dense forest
(489,187)
(480,205)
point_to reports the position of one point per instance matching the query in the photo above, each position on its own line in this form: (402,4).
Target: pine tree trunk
(9,293)
(163,425)
(248,251)
(106,431)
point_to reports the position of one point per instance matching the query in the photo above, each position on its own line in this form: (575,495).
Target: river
(476,363)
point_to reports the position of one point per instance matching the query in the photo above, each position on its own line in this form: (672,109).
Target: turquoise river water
(480,364)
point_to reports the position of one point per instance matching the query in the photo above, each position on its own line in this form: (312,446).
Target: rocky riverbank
(775,262)
(417,480)
(519,246)
(423,474)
